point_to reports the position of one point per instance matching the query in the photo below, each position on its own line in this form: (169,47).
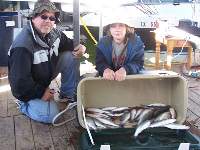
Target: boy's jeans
(45,111)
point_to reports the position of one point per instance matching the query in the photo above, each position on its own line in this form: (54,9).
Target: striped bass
(108,108)
(96,110)
(177,126)
(162,123)
(118,109)
(142,127)
(163,116)
(97,115)
(107,122)
(173,113)
(99,124)
(145,115)
(91,124)
(125,117)
(133,114)
(157,104)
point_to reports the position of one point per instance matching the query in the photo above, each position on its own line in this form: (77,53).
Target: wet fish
(163,116)
(145,115)
(119,109)
(162,123)
(172,112)
(177,126)
(95,110)
(125,117)
(157,104)
(133,114)
(139,111)
(142,127)
(99,125)
(160,110)
(97,115)
(108,108)
(116,114)
(107,122)
(91,124)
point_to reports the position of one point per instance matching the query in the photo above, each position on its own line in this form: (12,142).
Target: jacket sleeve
(22,84)
(100,61)
(66,44)
(136,63)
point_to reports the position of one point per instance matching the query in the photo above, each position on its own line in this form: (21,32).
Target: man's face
(44,22)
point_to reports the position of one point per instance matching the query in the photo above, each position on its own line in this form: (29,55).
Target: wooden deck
(17,132)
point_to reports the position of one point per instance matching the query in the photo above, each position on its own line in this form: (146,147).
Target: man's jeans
(39,110)
(44,111)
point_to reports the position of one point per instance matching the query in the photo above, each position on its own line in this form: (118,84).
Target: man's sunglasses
(51,18)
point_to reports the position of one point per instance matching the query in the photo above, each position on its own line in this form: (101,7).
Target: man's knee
(42,111)
(66,57)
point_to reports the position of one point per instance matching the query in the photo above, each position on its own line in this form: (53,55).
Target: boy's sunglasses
(51,18)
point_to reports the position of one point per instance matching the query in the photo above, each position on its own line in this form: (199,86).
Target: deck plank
(42,136)
(7,137)
(73,130)
(195,97)
(23,133)
(59,137)
(12,108)
(3,108)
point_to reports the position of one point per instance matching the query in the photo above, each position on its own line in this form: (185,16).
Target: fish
(119,109)
(133,114)
(162,123)
(107,122)
(116,114)
(160,110)
(163,116)
(145,115)
(95,110)
(99,125)
(157,104)
(125,117)
(91,124)
(142,127)
(176,126)
(108,108)
(172,112)
(139,111)
(97,115)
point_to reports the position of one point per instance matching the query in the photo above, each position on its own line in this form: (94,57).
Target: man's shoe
(17,102)
(66,99)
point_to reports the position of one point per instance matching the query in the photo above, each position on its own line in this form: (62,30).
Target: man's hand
(120,74)
(109,74)
(79,50)
(48,94)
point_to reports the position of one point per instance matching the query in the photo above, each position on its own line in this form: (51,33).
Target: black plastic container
(150,139)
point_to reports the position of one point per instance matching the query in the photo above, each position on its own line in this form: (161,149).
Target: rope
(69,107)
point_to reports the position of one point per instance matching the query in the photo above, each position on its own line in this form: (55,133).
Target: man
(36,57)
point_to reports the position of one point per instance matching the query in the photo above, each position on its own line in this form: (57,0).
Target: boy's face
(118,31)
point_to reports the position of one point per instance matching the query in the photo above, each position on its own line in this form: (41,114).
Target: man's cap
(44,5)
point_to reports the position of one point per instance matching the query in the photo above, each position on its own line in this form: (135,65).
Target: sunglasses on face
(51,18)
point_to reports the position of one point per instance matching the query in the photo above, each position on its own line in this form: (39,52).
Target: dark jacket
(134,60)
(32,61)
